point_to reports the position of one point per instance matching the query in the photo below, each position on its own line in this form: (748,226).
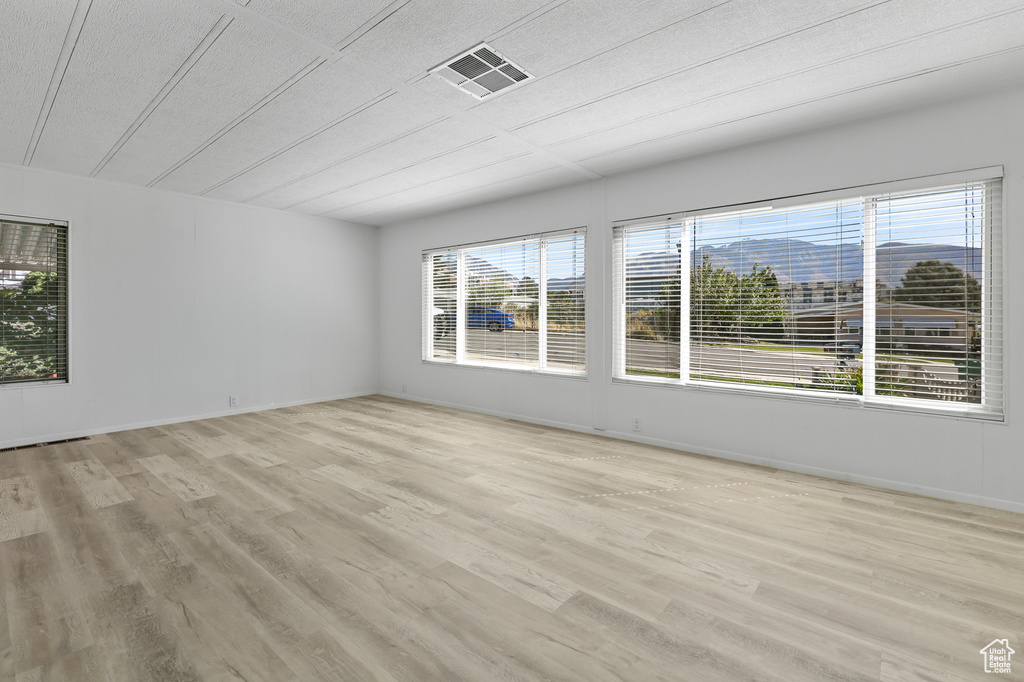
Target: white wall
(948,457)
(177,302)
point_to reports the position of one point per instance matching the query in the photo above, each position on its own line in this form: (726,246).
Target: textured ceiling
(326,107)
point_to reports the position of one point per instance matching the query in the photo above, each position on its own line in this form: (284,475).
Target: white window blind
(767,286)
(648,268)
(562,321)
(888,299)
(938,320)
(516,303)
(33,302)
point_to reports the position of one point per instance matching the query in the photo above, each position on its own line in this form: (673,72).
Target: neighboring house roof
(903,309)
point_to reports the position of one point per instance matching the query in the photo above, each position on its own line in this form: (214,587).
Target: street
(657,357)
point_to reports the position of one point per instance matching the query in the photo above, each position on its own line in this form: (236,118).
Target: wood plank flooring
(381,539)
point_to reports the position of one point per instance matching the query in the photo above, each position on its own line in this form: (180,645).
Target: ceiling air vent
(481,72)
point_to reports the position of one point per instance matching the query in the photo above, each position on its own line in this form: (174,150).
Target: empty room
(569,340)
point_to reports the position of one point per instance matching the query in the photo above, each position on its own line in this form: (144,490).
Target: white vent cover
(481,72)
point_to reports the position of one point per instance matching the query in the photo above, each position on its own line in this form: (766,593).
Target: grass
(778,347)
(914,358)
(736,380)
(710,377)
(652,373)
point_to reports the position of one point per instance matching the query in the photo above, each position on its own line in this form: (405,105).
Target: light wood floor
(378,539)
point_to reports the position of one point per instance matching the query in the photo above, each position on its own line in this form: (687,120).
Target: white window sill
(509,368)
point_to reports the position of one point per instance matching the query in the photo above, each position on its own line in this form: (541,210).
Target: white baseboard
(940,493)
(81,433)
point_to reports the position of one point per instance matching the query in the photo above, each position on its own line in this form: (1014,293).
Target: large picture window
(516,303)
(879,297)
(33,302)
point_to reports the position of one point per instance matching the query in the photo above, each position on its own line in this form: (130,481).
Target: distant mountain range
(793,260)
(483,270)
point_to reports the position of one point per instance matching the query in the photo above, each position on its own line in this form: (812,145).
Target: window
(516,303)
(33,302)
(884,297)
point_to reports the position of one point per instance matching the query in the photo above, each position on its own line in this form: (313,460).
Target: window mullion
(542,307)
(868,348)
(428,307)
(685,243)
(460,306)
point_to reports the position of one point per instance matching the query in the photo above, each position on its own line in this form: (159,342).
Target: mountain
(480,270)
(794,260)
(565,283)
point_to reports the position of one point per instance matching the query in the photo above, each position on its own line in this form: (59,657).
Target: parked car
(843,351)
(479,317)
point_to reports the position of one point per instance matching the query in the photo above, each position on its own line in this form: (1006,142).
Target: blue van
(479,317)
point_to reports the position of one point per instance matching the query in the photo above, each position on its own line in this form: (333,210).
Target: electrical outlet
(636,424)
(232,401)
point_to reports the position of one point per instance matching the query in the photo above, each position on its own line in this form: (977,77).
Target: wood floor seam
(382,540)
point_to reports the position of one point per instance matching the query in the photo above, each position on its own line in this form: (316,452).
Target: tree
(724,304)
(762,308)
(714,299)
(490,292)
(941,285)
(29,327)
(528,287)
(565,310)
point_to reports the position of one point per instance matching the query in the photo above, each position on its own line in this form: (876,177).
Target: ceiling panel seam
(204,45)
(60,69)
(719,57)
(530,18)
(537,149)
(286,33)
(350,157)
(798,72)
(371,23)
(405,207)
(813,100)
(395,83)
(418,162)
(638,38)
(281,89)
(304,138)
(467,171)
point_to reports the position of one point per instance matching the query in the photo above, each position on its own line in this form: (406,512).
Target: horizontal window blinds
(33,302)
(501,293)
(441,289)
(564,318)
(647,275)
(517,303)
(938,322)
(889,298)
(768,285)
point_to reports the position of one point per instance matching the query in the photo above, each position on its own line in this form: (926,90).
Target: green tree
(941,285)
(762,307)
(725,304)
(528,287)
(565,310)
(715,295)
(29,330)
(490,292)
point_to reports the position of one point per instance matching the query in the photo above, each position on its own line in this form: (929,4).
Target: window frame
(460,358)
(63,267)
(992,305)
